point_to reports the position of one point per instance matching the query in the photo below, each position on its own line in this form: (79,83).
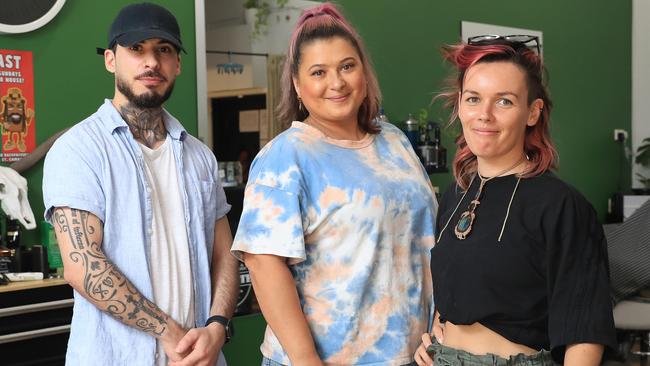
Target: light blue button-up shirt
(97,166)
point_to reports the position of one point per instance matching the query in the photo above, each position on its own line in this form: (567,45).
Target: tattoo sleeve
(80,235)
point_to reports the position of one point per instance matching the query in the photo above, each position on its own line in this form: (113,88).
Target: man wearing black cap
(140,214)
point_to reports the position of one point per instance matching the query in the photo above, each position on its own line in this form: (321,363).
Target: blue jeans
(446,356)
(270,362)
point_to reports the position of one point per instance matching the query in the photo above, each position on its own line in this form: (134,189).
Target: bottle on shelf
(381,117)
(12,241)
(426,148)
(412,131)
(440,152)
(432,154)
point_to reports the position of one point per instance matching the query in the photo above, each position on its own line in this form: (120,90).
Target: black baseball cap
(138,22)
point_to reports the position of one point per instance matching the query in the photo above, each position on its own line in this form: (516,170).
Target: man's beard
(149,99)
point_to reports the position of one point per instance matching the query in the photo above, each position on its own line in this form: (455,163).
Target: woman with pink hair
(338,216)
(519,268)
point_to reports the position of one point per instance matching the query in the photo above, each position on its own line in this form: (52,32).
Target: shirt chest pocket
(203,200)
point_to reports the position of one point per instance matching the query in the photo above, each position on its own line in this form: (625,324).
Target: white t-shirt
(169,263)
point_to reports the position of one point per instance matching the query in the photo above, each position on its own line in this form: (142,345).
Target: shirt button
(148,190)
(150,231)
(156,354)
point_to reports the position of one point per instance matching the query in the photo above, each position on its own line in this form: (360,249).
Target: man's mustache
(151,74)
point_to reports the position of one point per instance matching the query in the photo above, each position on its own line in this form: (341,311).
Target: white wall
(640,80)
(229,38)
(229,27)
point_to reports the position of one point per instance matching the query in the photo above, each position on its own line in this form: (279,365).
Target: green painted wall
(244,349)
(587,52)
(71,81)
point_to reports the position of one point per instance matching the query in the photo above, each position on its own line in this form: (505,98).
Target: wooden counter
(28,285)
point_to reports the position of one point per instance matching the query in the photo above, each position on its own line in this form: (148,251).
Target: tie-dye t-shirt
(356,221)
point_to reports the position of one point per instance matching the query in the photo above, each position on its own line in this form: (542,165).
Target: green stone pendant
(464,225)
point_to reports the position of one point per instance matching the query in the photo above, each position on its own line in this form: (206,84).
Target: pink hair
(323,22)
(537,141)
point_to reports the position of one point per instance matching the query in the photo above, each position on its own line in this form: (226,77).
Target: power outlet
(620,135)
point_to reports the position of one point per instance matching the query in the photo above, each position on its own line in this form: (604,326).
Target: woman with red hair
(519,268)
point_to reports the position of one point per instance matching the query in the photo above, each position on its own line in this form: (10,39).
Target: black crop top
(545,284)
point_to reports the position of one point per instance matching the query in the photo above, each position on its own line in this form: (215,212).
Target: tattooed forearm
(146,124)
(101,282)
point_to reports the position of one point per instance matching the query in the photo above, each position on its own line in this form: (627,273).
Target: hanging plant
(643,159)
(263,8)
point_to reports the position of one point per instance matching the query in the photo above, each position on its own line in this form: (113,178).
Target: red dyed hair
(323,22)
(538,146)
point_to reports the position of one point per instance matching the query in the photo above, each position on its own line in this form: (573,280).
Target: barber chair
(629,265)
(632,318)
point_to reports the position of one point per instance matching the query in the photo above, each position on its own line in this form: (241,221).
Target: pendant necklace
(464,225)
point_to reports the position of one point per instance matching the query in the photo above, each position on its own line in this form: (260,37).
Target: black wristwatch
(227,324)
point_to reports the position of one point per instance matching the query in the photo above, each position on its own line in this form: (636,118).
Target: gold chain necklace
(466,221)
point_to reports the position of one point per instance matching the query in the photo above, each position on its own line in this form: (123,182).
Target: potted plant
(643,158)
(263,10)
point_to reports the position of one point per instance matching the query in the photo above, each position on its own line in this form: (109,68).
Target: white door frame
(204,128)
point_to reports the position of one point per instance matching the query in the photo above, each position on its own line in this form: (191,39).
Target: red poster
(16,104)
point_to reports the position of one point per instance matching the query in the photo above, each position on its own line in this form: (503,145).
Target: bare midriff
(480,340)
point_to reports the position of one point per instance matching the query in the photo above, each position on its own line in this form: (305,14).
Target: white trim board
(204,128)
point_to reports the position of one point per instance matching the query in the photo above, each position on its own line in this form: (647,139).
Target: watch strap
(230,331)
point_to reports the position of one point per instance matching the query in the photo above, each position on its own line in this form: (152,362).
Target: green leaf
(262,15)
(423,116)
(643,180)
(249,4)
(643,154)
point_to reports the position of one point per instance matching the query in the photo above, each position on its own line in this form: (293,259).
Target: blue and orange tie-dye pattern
(356,221)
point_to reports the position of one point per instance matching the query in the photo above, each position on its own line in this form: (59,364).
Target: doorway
(236,122)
